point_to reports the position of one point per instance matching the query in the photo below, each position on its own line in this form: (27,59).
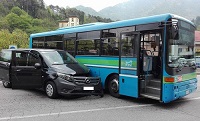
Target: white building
(72,21)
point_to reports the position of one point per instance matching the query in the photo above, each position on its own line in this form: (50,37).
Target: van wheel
(51,90)
(113,86)
(6,84)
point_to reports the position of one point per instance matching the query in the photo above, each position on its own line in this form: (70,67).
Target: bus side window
(110,47)
(88,47)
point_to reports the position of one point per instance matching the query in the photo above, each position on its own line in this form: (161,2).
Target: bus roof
(83,25)
(117,24)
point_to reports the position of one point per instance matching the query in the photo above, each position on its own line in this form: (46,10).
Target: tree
(18,11)
(4,24)
(17,37)
(3,10)
(15,21)
(4,39)
(32,16)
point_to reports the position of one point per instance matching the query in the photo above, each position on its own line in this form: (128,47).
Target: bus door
(150,71)
(25,70)
(128,79)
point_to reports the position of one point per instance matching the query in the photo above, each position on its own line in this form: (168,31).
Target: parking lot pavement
(34,105)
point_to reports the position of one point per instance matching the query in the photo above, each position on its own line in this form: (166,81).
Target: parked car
(54,71)
(198,61)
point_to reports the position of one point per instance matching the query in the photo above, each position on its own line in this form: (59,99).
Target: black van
(55,71)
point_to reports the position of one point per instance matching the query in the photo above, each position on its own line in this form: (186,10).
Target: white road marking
(196,98)
(73,112)
(84,111)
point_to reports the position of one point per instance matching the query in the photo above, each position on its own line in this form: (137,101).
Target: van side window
(5,56)
(26,59)
(21,58)
(41,60)
(32,60)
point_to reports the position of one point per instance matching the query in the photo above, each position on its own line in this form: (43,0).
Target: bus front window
(181,51)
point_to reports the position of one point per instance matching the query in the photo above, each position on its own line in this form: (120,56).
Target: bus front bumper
(173,91)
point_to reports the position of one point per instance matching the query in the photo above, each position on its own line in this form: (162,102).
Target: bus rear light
(169,79)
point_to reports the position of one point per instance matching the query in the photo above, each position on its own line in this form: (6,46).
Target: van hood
(72,69)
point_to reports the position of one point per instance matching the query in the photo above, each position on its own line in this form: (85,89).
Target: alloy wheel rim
(5,83)
(49,90)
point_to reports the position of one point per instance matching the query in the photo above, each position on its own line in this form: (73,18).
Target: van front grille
(86,80)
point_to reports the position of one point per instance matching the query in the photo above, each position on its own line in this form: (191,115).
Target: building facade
(197,43)
(72,21)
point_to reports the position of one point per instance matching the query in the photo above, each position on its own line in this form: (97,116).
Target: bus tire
(113,86)
(6,84)
(51,90)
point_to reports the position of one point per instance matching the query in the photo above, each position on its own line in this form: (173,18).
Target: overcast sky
(95,4)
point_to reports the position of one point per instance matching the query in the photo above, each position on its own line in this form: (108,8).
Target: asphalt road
(33,105)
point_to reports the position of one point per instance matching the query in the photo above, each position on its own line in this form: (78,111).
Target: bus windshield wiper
(180,66)
(184,63)
(192,64)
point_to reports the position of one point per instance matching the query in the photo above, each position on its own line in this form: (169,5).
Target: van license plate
(88,88)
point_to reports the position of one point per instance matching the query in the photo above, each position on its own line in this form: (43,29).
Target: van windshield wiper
(57,63)
(71,62)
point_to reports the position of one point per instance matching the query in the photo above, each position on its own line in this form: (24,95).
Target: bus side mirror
(174,33)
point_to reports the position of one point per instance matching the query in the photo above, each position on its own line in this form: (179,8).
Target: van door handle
(18,70)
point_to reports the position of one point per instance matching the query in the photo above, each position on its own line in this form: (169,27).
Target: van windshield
(58,57)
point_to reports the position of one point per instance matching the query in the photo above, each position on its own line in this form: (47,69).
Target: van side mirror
(37,65)
(174,32)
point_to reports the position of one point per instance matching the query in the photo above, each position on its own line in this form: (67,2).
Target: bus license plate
(88,88)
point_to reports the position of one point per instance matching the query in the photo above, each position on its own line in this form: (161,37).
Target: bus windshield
(58,57)
(181,51)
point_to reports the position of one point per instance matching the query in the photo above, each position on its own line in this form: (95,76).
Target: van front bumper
(79,86)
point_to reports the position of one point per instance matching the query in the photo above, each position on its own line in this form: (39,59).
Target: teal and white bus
(150,57)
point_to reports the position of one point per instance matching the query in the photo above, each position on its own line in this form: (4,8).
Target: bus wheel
(113,86)
(51,90)
(6,84)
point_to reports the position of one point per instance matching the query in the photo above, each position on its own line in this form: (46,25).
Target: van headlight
(65,77)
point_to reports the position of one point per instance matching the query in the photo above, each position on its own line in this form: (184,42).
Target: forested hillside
(141,8)
(20,18)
